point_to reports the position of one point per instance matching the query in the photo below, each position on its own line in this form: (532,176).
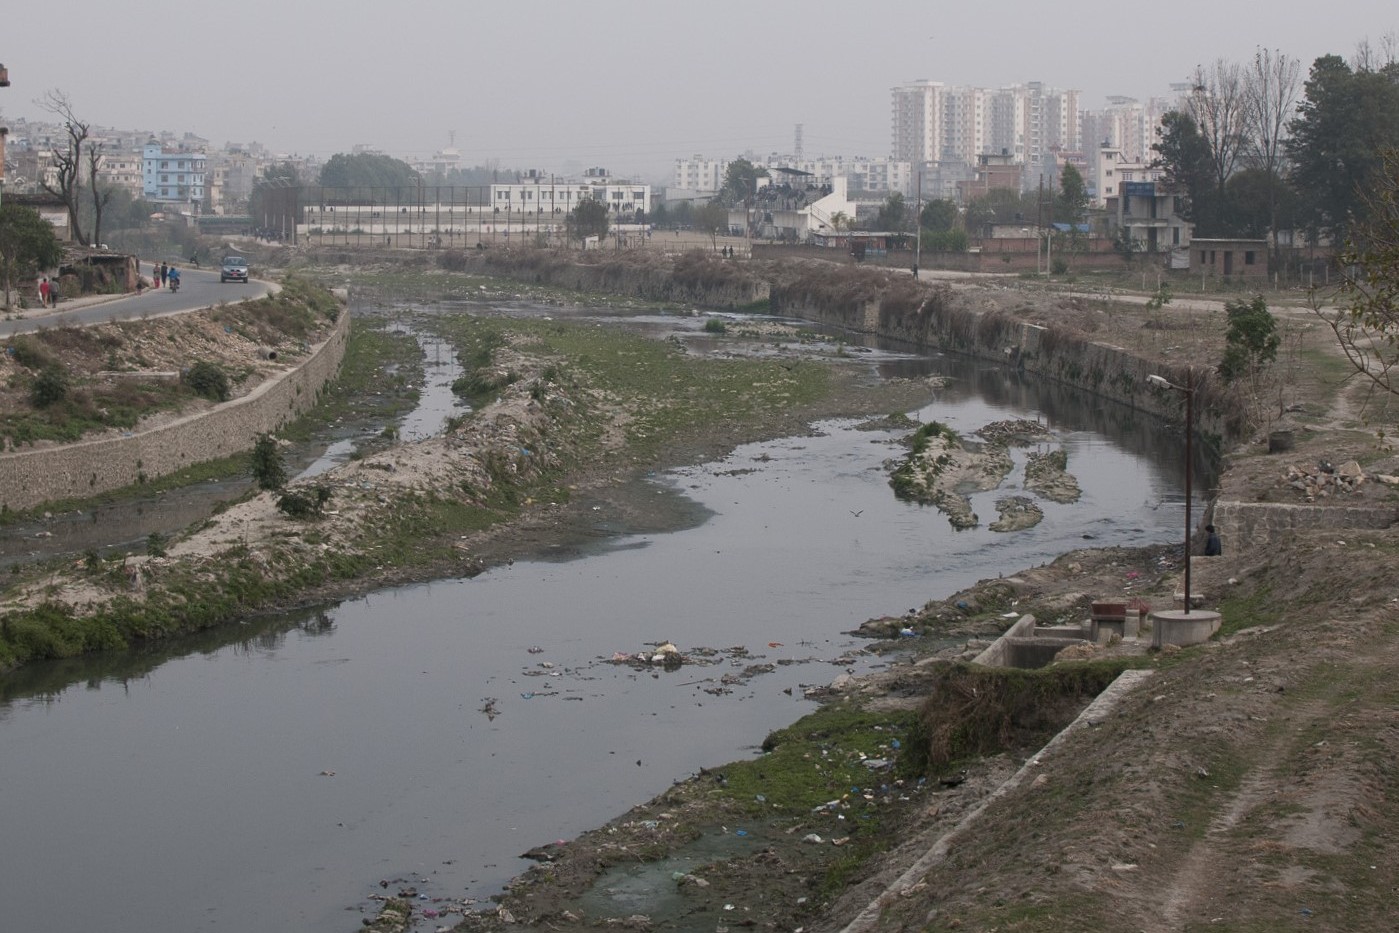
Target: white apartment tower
(700,174)
(918,118)
(934,122)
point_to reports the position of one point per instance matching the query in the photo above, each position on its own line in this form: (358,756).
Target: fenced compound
(435,216)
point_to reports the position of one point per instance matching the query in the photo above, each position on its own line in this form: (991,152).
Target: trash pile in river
(665,655)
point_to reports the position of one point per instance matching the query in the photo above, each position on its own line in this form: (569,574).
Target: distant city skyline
(617,83)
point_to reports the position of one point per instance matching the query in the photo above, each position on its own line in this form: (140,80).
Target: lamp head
(1159,381)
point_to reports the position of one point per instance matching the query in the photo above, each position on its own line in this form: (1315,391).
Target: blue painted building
(174,176)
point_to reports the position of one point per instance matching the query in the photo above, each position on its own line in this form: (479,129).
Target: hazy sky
(624,84)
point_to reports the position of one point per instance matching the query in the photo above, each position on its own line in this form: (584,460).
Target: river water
(271,776)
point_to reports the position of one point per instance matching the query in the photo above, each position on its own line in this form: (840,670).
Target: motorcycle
(174,285)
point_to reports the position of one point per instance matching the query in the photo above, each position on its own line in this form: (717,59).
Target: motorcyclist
(174,278)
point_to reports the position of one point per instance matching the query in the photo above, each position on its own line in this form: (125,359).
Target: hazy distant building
(993,173)
(699,177)
(546,198)
(1125,124)
(936,123)
(699,174)
(123,170)
(173,175)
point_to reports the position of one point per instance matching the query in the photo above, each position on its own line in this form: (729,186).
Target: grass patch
(1241,611)
(374,383)
(972,711)
(667,394)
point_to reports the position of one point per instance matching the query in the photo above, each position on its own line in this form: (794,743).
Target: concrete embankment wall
(879,302)
(32,477)
(938,316)
(998,653)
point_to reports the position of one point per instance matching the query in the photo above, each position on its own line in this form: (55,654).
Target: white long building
(704,177)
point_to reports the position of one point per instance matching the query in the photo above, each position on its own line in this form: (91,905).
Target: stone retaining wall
(1255,525)
(74,471)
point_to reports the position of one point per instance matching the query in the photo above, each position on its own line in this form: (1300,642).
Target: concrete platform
(1179,627)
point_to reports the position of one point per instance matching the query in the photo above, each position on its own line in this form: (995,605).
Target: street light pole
(1189,393)
(918,223)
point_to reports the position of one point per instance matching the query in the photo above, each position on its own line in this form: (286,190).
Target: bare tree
(68,161)
(1369,58)
(1368,326)
(101,194)
(1270,97)
(1219,111)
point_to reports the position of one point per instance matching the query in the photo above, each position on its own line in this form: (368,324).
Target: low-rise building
(1147,214)
(993,172)
(1229,258)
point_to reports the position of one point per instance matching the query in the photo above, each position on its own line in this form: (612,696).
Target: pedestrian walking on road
(44,292)
(164,274)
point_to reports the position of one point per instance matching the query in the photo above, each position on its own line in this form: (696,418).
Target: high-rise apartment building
(938,123)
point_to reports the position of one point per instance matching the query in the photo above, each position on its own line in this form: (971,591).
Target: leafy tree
(945,241)
(1346,121)
(740,182)
(589,218)
(1250,347)
(1251,340)
(938,215)
(893,214)
(267,467)
(1001,206)
(27,244)
(367,170)
(121,211)
(155,544)
(1258,202)
(713,219)
(1183,156)
(1368,330)
(1071,206)
(660,216)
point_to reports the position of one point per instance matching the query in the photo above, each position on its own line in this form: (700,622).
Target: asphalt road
(198,289)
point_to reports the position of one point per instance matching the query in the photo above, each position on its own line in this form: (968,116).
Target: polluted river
(282,773)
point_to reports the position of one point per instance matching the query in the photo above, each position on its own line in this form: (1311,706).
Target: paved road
(198,289)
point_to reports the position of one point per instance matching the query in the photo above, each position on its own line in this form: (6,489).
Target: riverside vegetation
(557,404)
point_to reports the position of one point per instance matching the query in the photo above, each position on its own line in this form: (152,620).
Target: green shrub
(295,503)
(207,380)
(29,353)
(267,467)
(50,387)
